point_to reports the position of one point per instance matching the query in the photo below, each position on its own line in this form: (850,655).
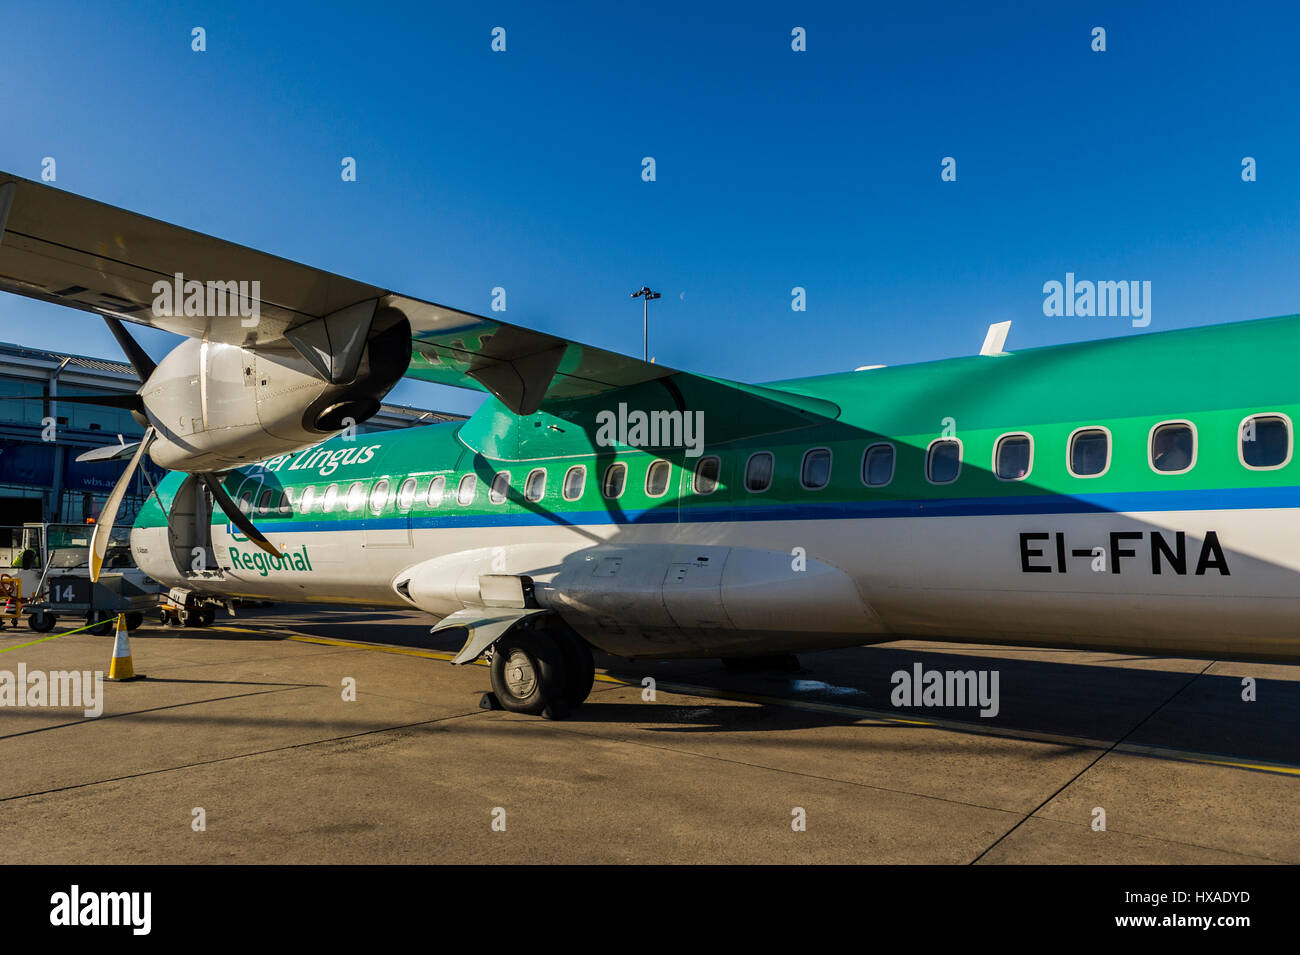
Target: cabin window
(707,471)
(943,461)
(246,501)
(356,496)
(499,488)
(878,465)
(331,498)
(379,495)
(758,472)
(307,500)
(264,502)
(535,485)
(575,479)
(436,488)
(1013,457)
(1089,452)
(406,494)
(1173,447)
(611,486)
(286,505)
(465,492)
(816,471)
(1265,442)
(656,478)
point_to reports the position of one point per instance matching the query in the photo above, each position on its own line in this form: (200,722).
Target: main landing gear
(543,672)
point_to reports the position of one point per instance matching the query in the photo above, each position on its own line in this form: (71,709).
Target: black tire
(528,675)
(102,621)
(134,621)
(42,621)
(205,616)
(579,666)
(186,618)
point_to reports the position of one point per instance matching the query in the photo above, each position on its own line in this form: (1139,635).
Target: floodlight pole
(645,295)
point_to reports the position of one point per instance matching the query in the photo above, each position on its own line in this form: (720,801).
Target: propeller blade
(113,452)
(237,517)
(104,527)
(144,365)
(127,402)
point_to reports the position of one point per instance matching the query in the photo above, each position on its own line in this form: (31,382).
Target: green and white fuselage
(735,558)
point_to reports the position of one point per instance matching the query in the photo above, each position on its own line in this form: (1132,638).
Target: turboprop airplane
(1131,495)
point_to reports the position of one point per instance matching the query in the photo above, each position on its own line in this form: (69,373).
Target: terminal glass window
(14,410)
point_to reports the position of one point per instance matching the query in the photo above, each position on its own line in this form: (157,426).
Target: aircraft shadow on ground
(1171,708)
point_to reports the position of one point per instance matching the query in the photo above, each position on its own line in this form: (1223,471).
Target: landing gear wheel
(100,622)
(134,621)
(42,621)
(528,675)
(579,667)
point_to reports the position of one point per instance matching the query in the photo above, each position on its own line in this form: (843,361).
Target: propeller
(144,367)
(104,526)
(237,517)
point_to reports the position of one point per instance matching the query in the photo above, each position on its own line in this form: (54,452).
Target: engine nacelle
(217,406)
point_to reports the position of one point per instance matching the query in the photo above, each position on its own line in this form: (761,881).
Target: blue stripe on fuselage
(1029,504)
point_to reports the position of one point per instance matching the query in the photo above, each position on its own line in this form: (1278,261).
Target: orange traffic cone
(120,667)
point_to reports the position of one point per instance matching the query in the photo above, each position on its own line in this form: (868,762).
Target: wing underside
(60,247)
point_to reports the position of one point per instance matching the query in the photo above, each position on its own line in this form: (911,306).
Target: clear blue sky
(774,168)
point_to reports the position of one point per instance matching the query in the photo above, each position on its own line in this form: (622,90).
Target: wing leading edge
(60,247)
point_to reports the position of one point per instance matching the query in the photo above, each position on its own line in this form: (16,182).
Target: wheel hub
(519,675)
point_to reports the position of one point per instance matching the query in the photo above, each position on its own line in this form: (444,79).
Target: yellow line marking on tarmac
(51,637)
(838,709)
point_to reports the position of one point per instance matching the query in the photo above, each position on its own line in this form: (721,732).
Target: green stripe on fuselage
(1213,376)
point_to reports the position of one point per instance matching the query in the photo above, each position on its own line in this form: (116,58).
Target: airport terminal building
(40,438)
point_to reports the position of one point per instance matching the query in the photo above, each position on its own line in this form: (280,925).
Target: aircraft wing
(64,248)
